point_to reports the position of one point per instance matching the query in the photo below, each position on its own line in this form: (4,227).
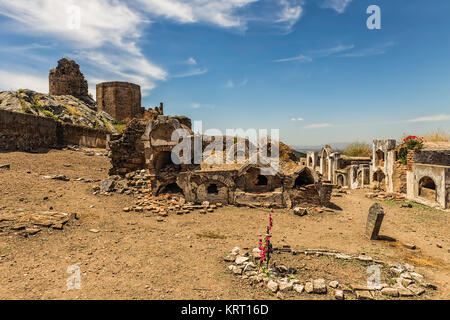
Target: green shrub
(408,143)
(50,115)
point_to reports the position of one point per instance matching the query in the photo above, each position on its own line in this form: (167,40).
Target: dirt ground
(133,256)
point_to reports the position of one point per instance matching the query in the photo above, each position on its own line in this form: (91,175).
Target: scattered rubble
(30,223)
(386,196)
(280,279)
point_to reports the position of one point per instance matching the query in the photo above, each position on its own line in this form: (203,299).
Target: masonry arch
(427,188)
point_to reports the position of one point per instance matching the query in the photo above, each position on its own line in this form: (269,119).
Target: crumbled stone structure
(122,100)
(429,180)
(67,79)
(338,169)
(245,183)
(425,178)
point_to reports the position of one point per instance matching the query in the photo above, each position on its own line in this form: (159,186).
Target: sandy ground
(135,257)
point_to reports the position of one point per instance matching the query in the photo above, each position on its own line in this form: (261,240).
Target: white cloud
(107,35)
(314,54)
(218,12)
(338,5)
(101,21)
(110,31)
(290,12)
(436,118)
(135,68)
(376,50)
(318,125)
(10,81)
(330,51)
(297,119)
(196,72)
(231,84)
(300,57)
(191,61)
(196,105)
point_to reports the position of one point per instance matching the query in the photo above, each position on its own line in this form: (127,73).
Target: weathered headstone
(374,220)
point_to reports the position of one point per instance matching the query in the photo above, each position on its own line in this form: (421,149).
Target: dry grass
(437,136)
(73,110)
(358,149)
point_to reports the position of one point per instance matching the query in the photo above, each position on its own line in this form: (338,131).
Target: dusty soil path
(135,257)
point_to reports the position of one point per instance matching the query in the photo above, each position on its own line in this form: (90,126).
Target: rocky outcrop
(66,109)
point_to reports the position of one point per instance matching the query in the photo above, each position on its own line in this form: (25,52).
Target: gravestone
(374,220)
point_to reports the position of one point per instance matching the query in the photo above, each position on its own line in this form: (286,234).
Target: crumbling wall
(26,132)
(122,100)
(30,133)
(67,79)
(126,150)
(83,136)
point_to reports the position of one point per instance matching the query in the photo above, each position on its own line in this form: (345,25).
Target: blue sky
(250,63)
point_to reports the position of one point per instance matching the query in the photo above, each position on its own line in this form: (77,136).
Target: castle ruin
(67,79)
(122,100)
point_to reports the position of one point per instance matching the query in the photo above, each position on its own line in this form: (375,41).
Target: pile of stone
(408,283)
(126,149)
(278,279)
(303,211)
(164,204)
(281,279)
(386,196)
(88,152)
(27,224)
(137,183)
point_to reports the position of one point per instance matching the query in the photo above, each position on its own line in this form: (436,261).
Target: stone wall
(31,133)
(126,150)
(122,100)
(26,132)
(399,177)
(83,136)
(67,79)
(436,157)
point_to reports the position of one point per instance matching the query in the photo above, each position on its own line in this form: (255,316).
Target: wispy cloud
(191,61)
(376,50)
(300,57)
(297,119)
(318,125)
(338,5)
(315,54)
(217,12)
(196,105)
(340,51)
(196,72)
(106,38)
(320,53)
(21,80)
(435,118)
(290,12)
(231,84)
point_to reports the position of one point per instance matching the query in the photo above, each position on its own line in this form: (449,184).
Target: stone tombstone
(374,220)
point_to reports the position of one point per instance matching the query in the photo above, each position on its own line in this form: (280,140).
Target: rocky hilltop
(64,108)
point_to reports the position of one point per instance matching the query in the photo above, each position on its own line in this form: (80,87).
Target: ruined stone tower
(67,79)
(122,100)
